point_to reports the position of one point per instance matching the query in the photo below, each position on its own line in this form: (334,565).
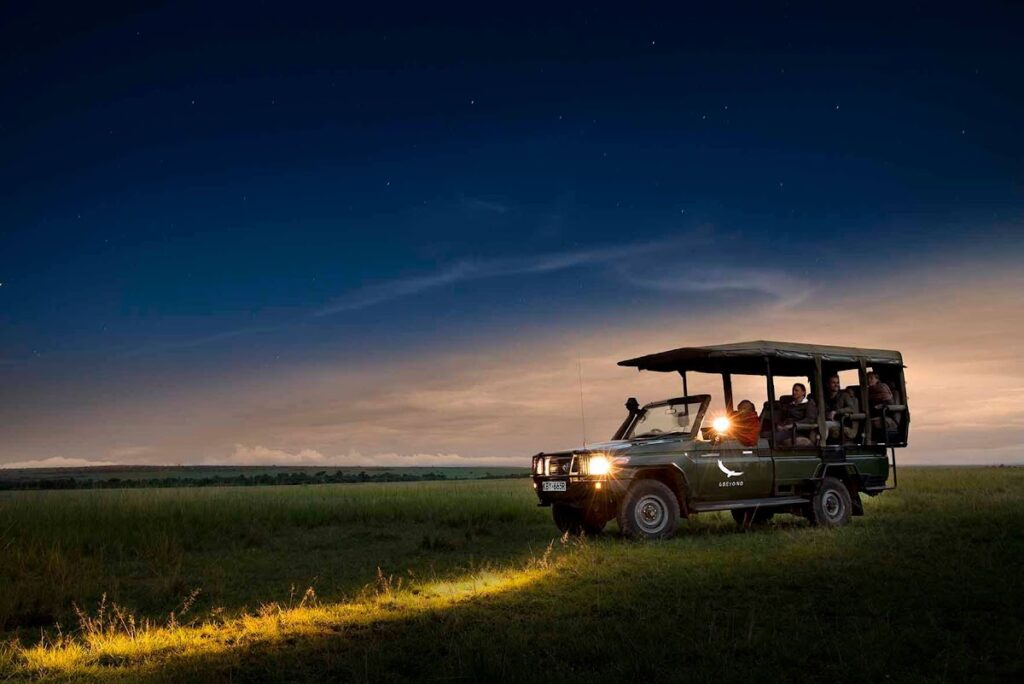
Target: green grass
(455,580)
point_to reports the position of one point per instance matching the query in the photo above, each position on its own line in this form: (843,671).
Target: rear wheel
(747,517)
(831,506)
(649,511)
(576,521)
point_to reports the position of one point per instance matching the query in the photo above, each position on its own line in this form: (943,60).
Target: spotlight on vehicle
(600,465)
(720,424)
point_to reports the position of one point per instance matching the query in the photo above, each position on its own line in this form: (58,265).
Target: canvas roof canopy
(747,358)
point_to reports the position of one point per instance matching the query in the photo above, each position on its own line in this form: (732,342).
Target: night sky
(284,233)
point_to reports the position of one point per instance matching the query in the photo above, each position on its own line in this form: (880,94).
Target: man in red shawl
(746,426)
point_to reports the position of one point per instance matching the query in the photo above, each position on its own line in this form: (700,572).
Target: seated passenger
(879,396)
(746,426)
(800,410)
(839,402)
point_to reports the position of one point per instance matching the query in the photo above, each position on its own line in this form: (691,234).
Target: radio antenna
(583,418)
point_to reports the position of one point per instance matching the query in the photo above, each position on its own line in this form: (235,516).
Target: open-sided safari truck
(673,458)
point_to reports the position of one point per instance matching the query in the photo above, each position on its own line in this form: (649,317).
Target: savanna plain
(469,580)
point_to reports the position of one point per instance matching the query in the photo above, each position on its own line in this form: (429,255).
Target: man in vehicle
(746,426)
(839,403)
(801,409)
(879,396)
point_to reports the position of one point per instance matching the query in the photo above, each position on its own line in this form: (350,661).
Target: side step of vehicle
(747,503)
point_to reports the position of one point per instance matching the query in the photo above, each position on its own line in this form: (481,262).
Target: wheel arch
(849,475)
(671,476)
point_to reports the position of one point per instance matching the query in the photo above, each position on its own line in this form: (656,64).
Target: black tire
(567,518)
(576,521)
(746,517)
(593,526)
(831,506)
(649,511)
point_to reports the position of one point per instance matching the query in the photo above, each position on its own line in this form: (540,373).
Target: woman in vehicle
(801,409)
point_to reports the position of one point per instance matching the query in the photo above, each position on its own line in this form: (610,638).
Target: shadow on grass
(921,598)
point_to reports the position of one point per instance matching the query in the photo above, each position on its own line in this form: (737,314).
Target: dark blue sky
(194,187)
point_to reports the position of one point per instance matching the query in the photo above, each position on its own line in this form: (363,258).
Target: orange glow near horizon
(498,402)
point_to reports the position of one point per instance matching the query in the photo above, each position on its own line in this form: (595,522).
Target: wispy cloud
(484,205)
(652,265)
(461,271)
(396,289)
(488,268)
(783,288)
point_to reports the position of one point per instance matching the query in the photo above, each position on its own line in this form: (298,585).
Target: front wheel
(831,506)
(649,511)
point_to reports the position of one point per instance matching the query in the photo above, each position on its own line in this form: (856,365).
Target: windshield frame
(703,399)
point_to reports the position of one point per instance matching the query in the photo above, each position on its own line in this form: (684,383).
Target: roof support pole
(686,393)
(727,390)
(771,400)
(865,408)
(906,414)
(820,394)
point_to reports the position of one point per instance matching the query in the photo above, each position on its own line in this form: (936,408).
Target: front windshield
(673,417)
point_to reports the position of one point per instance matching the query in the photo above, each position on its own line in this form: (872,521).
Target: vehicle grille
(560,466)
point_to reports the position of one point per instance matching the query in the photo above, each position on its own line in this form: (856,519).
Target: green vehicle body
(706,471)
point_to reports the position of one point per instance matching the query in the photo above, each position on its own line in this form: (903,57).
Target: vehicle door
(728,470)
(793,467)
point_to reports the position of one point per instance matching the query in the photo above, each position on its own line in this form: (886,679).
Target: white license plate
(553,487)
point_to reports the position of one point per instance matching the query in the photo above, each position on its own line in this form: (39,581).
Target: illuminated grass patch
(117,640)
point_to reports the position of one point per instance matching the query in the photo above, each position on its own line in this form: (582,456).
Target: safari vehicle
(673,459)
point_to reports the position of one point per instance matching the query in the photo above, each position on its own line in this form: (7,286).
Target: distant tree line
(263,479)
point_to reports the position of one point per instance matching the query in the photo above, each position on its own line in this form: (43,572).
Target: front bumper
(580,491)
(569,471)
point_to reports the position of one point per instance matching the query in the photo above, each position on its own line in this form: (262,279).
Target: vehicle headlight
(599,465)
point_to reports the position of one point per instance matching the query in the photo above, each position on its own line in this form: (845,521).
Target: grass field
(468,580)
